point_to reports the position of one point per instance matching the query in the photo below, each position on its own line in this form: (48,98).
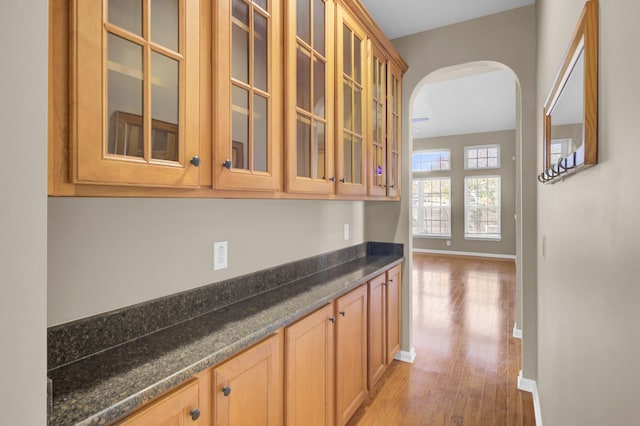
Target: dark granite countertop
(109,385)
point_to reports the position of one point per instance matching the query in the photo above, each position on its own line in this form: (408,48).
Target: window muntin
(482,157)
(431,160)
(431,204)
(482,197)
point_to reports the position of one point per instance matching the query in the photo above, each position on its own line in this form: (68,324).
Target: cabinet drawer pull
(226,164)
(343,313)
(195,414)
(332,319)
(332,179)
(342,180)
(195,161)
(385,283)
(226,390)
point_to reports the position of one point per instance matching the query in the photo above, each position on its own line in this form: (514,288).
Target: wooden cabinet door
(247,389)
(134,98)
(178,408)
(394,131)
(377,329)
(351,116)
(309,99)
(394,312)
(377,129)
(247,123)
(351,353)
(309,361)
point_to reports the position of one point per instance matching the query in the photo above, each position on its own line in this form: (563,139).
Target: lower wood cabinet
(351,353)
(178,408)
(309,369)
(384,322)
(248,388)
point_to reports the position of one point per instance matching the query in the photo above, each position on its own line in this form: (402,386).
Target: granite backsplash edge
(69,342)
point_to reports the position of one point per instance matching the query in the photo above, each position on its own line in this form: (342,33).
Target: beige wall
(507,172)
(589,292)
(23,212)
(105,253)
(507,38)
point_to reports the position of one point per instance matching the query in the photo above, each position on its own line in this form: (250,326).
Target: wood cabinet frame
(237,178)
(345,19)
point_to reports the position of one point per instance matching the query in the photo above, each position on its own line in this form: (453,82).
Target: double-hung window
(431,203)
(482,207)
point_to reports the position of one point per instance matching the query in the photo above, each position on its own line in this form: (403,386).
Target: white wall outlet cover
(220,255)
(346,231)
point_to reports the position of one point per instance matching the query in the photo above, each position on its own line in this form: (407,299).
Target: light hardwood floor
(467,363)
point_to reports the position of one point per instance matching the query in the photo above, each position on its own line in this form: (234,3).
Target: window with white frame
(482,207)
(431,205)
(482,157)
(559,149)
(431,160)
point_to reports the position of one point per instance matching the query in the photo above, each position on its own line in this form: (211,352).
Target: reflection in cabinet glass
(377,165)
(309,95)
(350,115)
(142,112)
(247,146)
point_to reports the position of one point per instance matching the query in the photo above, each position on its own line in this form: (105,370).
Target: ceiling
(469,99)
(398,18)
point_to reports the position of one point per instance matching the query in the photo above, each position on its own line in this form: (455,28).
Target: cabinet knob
(342,180)
(332,319)
(343,313)
(332,179)
(195,161)
(226,390)
(195,414)
(226,164)
(385,283)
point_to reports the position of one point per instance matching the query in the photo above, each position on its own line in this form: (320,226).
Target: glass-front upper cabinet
(309,69)
(247,95)
(377,165)
(134,103)
(350,106)
(394,130)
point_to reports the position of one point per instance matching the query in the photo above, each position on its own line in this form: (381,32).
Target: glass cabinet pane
(264,4)
(240,128)
(319,150)
(127,14)
(260,54)
(357,59)
(318,26)
(318,87)
(357,160)
(348,158)
(303,75)
(260,134)
(346,50)
(165,17)
(303,138)
(303,19)
(240,42)
(125,97)
(348,105)
(164,107)
(357,111)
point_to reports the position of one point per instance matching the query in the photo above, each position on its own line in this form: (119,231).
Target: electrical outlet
(448,243)
(220,255)
(346,232)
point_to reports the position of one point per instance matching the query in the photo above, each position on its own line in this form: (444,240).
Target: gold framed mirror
(570,137)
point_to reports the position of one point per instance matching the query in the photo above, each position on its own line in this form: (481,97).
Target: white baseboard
(407,356)
(528,385)
(466,253)
(517,332)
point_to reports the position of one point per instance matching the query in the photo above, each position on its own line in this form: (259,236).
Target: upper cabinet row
(199,98)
